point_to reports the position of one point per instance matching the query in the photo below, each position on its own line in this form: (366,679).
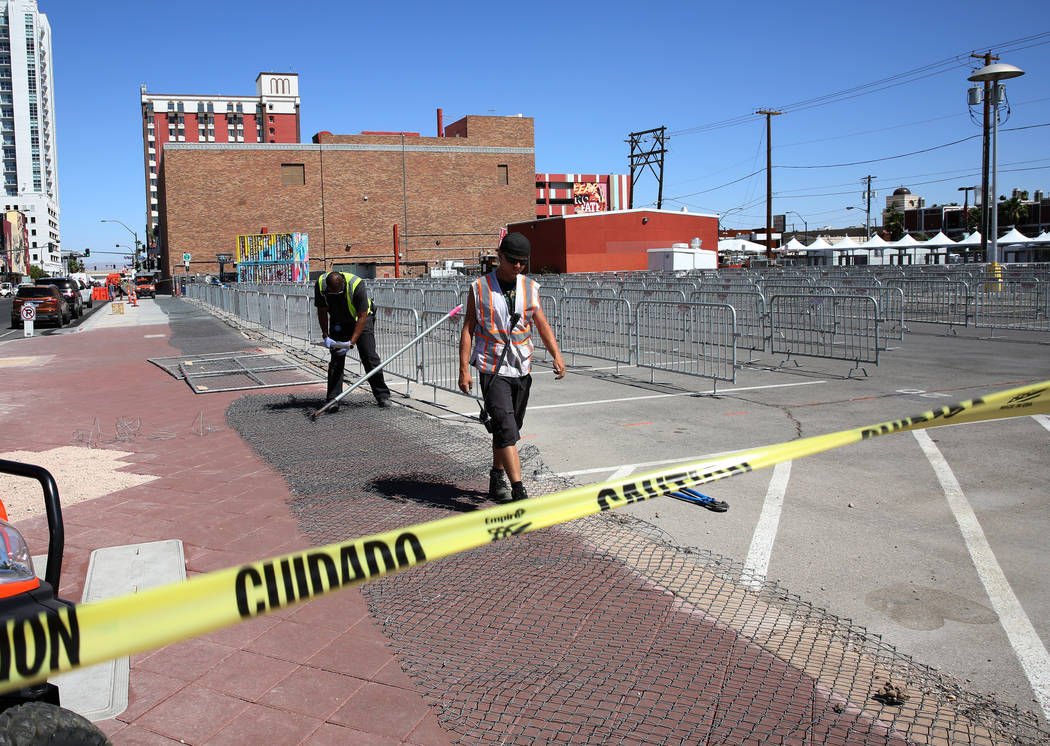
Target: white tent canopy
(1014,237)
(794,245)
(846,244)
(939,240)
(819,244)
(974,239)
(875,242)
(740,246)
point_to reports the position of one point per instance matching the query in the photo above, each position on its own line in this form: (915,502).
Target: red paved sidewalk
(319,673)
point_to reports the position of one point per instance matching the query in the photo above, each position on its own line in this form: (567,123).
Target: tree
(1013,210)
(973,219)
(75,265)
(36,272)
(894,223)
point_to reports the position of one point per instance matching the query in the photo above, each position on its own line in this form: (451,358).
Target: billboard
(590,197)
(15,257)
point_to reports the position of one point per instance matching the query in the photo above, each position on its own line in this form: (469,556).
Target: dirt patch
(81,474)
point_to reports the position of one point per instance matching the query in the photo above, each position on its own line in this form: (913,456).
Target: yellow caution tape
(32,648)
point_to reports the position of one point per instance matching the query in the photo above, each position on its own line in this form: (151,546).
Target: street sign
(186,257)
(28,314)
(223,258)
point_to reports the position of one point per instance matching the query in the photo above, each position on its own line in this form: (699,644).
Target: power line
(908,76)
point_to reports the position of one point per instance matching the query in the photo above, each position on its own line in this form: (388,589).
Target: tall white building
(27,127)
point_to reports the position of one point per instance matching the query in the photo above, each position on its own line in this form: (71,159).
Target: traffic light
(87,252)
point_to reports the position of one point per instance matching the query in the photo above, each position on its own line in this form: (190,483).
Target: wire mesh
(600,630)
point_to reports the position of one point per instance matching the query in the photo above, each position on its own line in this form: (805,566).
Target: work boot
(517,492)
(499,490)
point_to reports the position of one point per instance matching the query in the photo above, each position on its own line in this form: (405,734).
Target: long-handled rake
(383,364)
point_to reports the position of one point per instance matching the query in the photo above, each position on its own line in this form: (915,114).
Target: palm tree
(894,223)
(1013,210)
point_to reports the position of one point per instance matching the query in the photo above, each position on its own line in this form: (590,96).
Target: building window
(293,174)
(502,178)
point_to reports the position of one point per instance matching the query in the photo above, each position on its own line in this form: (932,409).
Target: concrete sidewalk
(315,674)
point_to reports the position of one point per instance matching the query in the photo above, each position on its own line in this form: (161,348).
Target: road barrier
(751,313)
(695,339)
(826,326)
(596,327)
(1014,305)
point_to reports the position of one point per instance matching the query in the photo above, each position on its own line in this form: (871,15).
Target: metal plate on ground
(246,372)
(172,364)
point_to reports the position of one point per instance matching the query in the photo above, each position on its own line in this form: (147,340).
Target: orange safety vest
(493,318)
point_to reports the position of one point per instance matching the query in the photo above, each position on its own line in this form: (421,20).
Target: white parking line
(1027,646)
(1042,419)
(643,398)
(628,469)
(757,563)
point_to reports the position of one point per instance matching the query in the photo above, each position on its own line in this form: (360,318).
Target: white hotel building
(27,128)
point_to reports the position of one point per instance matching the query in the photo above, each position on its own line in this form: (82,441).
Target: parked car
(6,289)
(70,290)
(85,288)
(50,304)
(145,286)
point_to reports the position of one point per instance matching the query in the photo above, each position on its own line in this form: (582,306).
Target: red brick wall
(209,197)
(613,241)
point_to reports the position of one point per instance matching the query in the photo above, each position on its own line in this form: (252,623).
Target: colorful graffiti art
(273,257)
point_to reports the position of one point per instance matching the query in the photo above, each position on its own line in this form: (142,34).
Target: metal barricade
(667,296)
(440,299)
(890,305)
(750,308)
(933,300)
(695,339)
(596,327)
(395,327)
(828,326)
(439,354)
(1011,304)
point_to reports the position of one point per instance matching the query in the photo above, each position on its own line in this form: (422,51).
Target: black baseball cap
(516,246)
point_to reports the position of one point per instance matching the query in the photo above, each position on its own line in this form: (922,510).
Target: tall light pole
(135,257)
(993,74)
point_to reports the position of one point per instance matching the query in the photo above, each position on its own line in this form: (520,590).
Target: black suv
(70,290)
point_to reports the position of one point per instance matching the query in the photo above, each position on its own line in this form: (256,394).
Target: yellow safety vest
(352,282)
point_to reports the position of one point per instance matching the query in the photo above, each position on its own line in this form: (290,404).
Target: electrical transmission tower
(647,149)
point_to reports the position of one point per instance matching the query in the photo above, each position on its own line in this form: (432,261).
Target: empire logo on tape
(35,647)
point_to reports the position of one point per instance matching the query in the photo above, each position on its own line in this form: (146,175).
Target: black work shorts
(505,401)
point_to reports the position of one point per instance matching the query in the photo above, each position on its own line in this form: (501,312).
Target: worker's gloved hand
(328,342)
(340,351)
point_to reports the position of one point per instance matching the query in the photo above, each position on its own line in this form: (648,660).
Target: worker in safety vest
(345,313)
(495,300)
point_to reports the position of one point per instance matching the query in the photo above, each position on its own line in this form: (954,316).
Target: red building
(272,115)
(612,241)
(571,194)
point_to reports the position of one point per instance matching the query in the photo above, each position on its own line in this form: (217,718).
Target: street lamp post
(804,223)
(993,74)
(135,257)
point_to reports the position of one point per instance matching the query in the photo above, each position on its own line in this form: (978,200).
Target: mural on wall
(15,259)
(273,257)
(590,197)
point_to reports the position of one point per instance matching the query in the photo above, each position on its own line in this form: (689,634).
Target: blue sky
(588,73)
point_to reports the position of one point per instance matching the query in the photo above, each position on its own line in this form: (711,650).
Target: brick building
(449,196)
(272,115)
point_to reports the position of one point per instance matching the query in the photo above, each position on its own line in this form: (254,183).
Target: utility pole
(769,178)
(966,206)
(652,157)
(867,212)
(985,197)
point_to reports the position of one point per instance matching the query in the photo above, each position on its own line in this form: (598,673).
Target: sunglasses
(512,260)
